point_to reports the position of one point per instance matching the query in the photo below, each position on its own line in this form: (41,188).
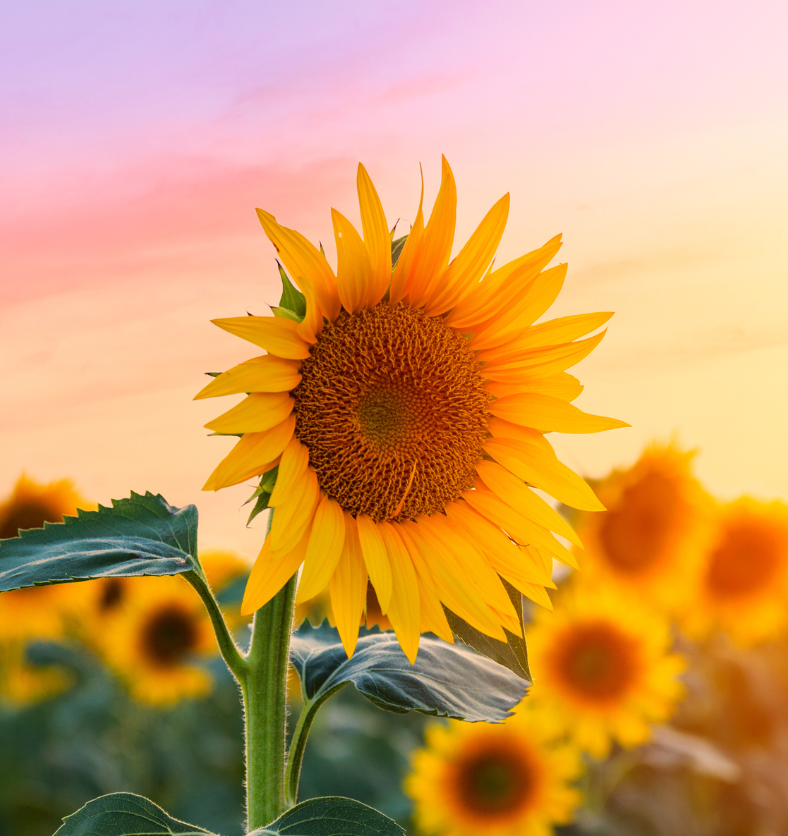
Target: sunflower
(21,682)
(649,541)
(743,587)
(156,640)
(513,779)
(38,611)
(603,663)
(404,402)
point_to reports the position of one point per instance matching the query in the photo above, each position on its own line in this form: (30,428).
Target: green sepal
(285,313)
(214,374)
(262,493)
(396,250)
(292,299)
(331,816)
(125,814)
(141,535)
(512,654)
(446,680)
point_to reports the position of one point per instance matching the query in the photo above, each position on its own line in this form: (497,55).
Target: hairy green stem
(264,689)
(298,746)
(227,646)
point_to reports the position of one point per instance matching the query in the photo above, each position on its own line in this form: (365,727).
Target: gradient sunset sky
(137,138)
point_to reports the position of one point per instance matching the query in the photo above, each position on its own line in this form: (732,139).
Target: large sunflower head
(743,584)
(404,401)
(38,611)
(605,667)
(507,780)
(157,640)
(649,541)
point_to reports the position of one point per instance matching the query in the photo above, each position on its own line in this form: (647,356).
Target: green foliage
(446,681)
(262,493)
(125,814)
(331,817)
(142,535)
(512,654)
(292,299)
(396,250)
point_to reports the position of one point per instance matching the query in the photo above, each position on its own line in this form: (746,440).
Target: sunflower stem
(298,746)
(227,646)
(264,689)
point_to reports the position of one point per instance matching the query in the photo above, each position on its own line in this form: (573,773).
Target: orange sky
(653,139)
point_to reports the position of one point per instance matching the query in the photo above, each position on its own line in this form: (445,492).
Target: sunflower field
(529,652)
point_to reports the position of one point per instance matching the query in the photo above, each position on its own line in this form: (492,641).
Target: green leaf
(396,250)
(331,816)
(125,814)
(446,681)
(512,654)
(262,493)
(292,299)
(142,535)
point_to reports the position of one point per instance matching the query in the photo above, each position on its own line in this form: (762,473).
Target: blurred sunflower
(649,541)
(513,779)
(743,587)
(38,611)
(405,406)
(603,663)
(157,639)
(21,682)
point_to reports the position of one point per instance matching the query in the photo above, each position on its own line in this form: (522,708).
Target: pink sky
(137,139)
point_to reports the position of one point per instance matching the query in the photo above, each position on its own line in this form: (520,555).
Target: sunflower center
(596,661)
(635,534)
(169,635)
(746,560)
(497,782)
(27,514)
(112,594)
(393,412)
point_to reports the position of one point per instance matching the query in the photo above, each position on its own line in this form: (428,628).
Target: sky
(137,138)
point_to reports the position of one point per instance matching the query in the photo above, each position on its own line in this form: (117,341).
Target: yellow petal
(438,239)
(403,273)
(477,570)
(433,618)
(525,309)
(555,332)
(546,414)
(523,530)
(403,611)
(295,458)
(499,428)
(562,385)
(498,290)
(260,374)
(352,264)
(501,553)
(376,238)
(471,262)
(293,517)
(539,467)
(271,572)
(513,491)
(256,413)
(251,456)
(303,261)
(543,361)
(348,588)
(451,582)
(537,594)
(376,559)
(324,549)
(273,333)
